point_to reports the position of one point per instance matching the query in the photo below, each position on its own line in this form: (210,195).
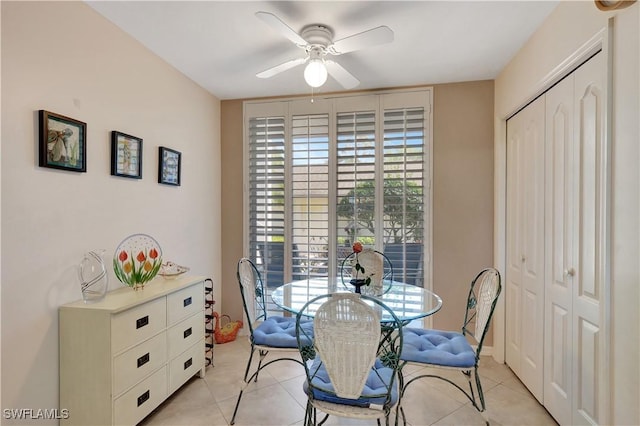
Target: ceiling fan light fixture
(315,73)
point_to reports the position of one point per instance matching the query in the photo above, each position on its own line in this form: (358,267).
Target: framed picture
(169,166)
(126,155)
(63,142)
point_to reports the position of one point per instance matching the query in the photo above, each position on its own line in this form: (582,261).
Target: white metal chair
(451,349)
(376,265)
(351,359)
(266,334)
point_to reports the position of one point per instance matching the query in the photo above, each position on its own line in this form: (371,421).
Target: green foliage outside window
(403,211)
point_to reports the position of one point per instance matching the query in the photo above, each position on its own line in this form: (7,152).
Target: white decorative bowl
(170,270)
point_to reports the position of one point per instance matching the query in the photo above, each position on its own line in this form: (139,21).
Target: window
(321,175)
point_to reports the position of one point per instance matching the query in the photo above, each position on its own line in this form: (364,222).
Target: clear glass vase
(93,277)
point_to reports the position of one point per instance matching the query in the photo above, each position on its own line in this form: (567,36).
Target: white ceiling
(221,45)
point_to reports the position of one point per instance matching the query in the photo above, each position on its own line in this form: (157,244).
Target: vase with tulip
(359,274)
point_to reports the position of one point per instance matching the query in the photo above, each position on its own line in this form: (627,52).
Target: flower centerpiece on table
(356,266)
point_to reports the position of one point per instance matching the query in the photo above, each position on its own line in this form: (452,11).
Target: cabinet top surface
(126,297)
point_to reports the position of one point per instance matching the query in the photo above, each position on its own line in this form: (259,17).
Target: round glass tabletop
(407,301)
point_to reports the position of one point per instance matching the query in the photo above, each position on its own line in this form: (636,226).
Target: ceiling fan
(317,41)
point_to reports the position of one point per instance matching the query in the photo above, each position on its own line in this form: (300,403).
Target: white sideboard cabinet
(123,356)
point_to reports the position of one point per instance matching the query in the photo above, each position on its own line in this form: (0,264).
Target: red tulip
(141,257)
(153,253)
(357,247)
(123,256)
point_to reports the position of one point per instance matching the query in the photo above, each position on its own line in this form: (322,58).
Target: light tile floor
(278,399)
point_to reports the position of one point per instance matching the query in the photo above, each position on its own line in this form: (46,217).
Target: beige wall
(570,26)
(462,195)
(65,58)
(232,192)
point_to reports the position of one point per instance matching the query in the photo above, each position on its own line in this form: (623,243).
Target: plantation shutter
(310,195)
(355,180)
(404,192)
(267,197)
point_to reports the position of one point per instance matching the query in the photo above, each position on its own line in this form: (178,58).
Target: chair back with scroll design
(266,333)
(252,292)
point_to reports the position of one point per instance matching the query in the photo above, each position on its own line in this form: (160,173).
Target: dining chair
(376,265)
(266,333)
(351,359)
(452,350)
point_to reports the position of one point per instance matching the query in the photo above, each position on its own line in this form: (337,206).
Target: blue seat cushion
(280,332)
(444,348)
(374,392)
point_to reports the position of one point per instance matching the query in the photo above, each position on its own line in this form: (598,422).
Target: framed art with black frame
(126,155)
(169,166)
(63,142)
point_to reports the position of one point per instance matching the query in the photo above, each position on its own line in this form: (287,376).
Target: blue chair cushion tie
(443,348)
(279,332)
(374,392)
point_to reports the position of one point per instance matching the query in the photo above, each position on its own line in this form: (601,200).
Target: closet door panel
(560,191)
(533,249)
(589,377)
(513,276)
(525,249)
(588,359)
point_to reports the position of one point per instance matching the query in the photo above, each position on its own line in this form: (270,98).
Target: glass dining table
(408,302)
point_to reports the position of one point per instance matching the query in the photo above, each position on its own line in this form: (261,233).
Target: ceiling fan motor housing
(317,35)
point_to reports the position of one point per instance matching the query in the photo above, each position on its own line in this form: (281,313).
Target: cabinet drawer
(184,334)
(131,366)
(185,365)
(138,402)
(137,324)
(185,303)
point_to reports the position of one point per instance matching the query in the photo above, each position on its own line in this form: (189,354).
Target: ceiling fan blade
(372,37)
(342,76)
(282,67)
(274,22)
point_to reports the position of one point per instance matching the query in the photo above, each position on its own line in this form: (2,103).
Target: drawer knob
(187,333)
(143,398)
(186,302)
(141,322)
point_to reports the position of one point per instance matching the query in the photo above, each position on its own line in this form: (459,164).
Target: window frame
(379,101)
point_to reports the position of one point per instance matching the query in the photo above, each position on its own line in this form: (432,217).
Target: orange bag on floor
(228,332)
